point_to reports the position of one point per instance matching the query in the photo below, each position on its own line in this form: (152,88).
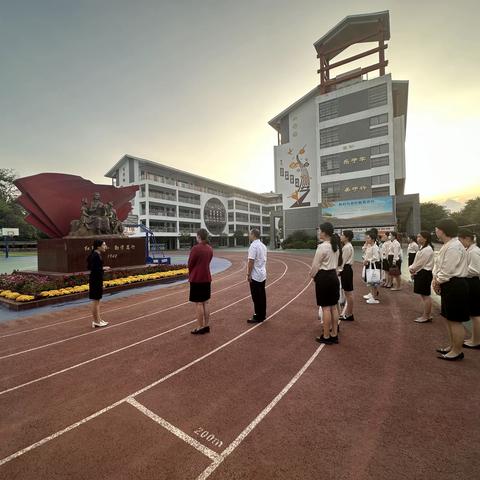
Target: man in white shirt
(257,276)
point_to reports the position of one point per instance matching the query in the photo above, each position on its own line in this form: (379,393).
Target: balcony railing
(164,229)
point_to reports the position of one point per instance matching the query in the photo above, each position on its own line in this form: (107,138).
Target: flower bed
(23,287)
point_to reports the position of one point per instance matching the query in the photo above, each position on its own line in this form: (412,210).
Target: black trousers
(259,297)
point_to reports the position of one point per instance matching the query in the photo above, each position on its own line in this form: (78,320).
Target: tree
(430,214)
(11,213)
(470,214)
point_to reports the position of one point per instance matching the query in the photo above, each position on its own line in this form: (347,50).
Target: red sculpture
(53,200)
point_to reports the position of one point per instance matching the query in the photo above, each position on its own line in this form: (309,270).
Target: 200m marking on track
(209,437)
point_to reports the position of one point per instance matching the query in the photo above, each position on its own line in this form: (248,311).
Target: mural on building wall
(296,173)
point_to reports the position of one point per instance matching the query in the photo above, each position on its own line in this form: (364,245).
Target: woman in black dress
(95,281)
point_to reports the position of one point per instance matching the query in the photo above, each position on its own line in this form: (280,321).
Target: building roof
(112,171)
(275,121)
(353,29)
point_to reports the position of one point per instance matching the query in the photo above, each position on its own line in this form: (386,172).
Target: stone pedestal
(69,255)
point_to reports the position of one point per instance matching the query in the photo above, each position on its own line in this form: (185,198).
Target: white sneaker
(99,324)
(368,296)
(372,301)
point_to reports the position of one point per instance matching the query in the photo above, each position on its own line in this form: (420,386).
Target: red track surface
(132,401)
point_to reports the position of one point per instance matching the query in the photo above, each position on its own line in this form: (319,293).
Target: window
(381,179)
(230,204)
(380,192)
(230,216)
(379,149)
(255,218)
(329,137)
(331,191)
(242,217)
(266,220)
(241,205)
(380,161)
(328,110)
(231,228)
(379,119)
(330,164)
(377,96)
(379,131)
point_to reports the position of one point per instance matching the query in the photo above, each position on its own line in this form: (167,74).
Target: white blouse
(385,248)
(424,260)
(347,255)
(396,249)
(473,260)
(372,253)
(451,261)
(412,247)
(325,258)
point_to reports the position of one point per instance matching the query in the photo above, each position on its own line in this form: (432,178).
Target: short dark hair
(202,234)
(448,226)
(348,234)
(413,238)
(466,233)
(394,234)
(255,232)
(97,243)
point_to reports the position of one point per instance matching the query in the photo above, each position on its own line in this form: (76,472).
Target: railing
(164,229)
(192,201)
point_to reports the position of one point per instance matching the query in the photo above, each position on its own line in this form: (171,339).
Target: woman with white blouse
(328,257)
(346,274)
(412,249)
(384,253)
(466,236)
(449,281)
(395,259)
(371,261)
(421,271)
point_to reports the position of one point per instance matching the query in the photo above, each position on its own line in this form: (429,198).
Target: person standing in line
(449,281)
(384,253)
(257,276)
(200,280)
(346,274)
(412,249)
(466,236)
(395,258)
(372,262)
(95,280)
(421,271)
(328,257)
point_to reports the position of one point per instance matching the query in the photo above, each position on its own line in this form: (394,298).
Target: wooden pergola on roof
(370,27)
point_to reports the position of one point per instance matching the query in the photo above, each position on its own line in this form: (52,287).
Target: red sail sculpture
(53,200)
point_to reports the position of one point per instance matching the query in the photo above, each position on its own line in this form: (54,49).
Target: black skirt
(385,265)
(411,258)
(454,294)
(95,286)
(474,296)
(347,278)
(200,292)
(422,282)
(327,288)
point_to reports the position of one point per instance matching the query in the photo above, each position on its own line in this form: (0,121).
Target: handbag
(372,274)
(394,271)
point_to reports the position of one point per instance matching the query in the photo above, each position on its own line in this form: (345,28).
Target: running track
(144,399)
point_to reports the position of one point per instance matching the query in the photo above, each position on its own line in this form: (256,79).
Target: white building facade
(174,204)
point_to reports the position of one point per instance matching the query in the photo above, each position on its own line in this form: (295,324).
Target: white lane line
(115,309)
(148,387)
(114,325)
(216,463)
(53,374)
(172,429)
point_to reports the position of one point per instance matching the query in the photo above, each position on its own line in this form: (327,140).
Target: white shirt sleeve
(448,265)
(396,250)
(252,251)
(474,262)
(317,260)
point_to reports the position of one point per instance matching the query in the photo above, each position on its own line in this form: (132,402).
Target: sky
(193,83)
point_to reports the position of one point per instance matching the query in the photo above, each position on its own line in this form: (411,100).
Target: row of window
(377,185)
(353,103)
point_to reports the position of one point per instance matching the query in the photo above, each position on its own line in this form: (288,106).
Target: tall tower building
(341,147)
